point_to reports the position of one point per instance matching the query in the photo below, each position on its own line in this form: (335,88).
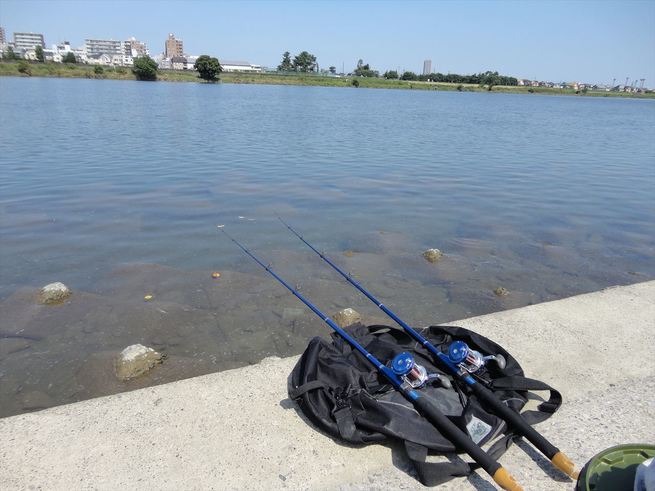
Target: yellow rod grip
(563,463)
(505,480)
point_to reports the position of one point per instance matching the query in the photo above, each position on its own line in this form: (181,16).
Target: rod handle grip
(456,435)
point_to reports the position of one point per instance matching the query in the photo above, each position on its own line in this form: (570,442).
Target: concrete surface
(238,430)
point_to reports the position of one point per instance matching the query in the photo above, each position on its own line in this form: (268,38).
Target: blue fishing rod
(461,362)
(403,385)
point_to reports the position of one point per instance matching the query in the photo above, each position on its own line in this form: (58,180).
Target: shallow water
(115,188)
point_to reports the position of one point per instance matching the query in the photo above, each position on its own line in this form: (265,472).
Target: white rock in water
(346,317)
(135,360)
(54,293)
(433,255)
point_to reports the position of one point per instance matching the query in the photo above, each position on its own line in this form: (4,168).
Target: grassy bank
(60,70)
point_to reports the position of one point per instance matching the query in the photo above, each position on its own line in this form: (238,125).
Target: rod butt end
(505,480)
(563,463)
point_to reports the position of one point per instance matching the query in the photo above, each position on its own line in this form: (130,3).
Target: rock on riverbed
(433,255)
(346,317)
(54,293)
(135,360)
(501,291)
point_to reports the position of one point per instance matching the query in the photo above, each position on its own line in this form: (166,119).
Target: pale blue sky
(591,41)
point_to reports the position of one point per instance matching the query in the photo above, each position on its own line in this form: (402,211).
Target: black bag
(343,394)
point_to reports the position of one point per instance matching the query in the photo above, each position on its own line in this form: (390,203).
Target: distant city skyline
(548,40)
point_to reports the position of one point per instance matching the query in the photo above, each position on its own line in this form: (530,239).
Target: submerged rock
(346,317)
(54,293)
(433,255)
(35,400)
(135,360)
(501,291)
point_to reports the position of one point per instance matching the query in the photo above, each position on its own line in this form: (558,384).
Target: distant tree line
(483,78)
(302,62)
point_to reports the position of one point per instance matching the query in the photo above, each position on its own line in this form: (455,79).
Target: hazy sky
(593,41)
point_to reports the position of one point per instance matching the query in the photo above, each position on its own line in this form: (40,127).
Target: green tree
(24,68)
(409,76)
(145,68)
(304,62)
(364,70)
(69,58)
(355,83)
(10,55)
(490,79)
(38,51)
(98,70)
(333,70)
(391,74)
(286,65)
(208,68)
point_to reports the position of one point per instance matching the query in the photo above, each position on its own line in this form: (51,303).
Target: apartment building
(27,41)
(103,46)
(173,47)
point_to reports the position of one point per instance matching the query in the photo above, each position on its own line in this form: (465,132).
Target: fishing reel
(469,360)
(406,368)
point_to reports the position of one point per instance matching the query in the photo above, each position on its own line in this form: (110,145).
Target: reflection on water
(115,188)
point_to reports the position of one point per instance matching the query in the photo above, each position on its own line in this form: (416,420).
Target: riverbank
(59,70)
(237,429)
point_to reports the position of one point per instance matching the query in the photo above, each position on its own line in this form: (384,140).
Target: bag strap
(544,410)
(346,424)
(296,392)
(435,473)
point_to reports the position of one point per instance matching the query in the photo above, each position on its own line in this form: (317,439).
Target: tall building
(173,47)
(3,40)
(427,67)
(27,40)
(135,48)
(103,47)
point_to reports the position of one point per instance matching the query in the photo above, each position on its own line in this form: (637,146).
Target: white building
(27,41)
(99,59)
(164,63)
(178,63)
(103,46)
(240,66)
(134,48)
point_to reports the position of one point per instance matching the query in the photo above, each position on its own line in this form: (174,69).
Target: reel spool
(470,360)
(404,365)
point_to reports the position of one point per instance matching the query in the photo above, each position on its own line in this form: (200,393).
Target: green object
(614,468)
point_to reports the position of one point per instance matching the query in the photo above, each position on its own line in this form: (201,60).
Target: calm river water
(116,188)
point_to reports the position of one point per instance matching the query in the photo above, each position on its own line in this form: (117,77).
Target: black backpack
(343,394)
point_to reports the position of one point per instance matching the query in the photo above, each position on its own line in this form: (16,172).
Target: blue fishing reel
(469,360)
(405,367)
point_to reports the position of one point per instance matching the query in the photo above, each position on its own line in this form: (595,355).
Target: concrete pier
(238,430)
